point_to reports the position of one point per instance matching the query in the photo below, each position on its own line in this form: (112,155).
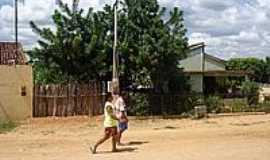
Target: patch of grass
(7,126)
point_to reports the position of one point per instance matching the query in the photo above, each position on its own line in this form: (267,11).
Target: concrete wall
(192,63)
(211,65)
(14,105)
(197,51)
(196,82)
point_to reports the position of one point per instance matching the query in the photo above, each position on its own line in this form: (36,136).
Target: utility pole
(115,76)
(16,29)
(203,69)
(75,5)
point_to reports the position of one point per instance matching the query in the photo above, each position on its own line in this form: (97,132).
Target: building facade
(204,70)
(16,83)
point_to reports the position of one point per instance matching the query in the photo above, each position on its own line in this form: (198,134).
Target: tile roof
(8,54)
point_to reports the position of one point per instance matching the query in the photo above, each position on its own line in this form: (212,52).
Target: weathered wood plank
(68,100)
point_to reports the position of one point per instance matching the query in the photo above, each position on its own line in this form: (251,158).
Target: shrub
(238,105)
(7,126)
(264,107)
(191,101)
(251,91)
(213,104)
(139,104)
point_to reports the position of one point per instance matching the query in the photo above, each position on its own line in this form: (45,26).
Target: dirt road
(234,138)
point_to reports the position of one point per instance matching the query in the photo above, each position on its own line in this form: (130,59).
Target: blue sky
(230,28)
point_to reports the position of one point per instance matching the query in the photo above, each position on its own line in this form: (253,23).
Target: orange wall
(13,105)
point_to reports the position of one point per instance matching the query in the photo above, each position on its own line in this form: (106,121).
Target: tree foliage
(151,46)
(258,68)
(151,43)
(251,91)
(75,51)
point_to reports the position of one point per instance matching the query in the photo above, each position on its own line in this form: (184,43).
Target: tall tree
(151,46)
(151,43)
(256,67)
(76,50)
(267,63)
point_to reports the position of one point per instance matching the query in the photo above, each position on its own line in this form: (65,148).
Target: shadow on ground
(119,150)
(136,142)
(249,124)
(166,128)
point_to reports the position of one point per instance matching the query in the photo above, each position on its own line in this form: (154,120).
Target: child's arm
(113,116)
(110,112)
(124,117)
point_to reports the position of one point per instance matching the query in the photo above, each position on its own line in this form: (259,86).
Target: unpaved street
(224,138)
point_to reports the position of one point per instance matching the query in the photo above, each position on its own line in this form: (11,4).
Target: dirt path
(234,138)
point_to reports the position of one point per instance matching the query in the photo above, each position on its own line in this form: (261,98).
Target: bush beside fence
(147,104)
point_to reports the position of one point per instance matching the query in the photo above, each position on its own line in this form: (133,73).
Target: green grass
(7,126)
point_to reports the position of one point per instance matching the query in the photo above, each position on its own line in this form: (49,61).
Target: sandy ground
(223,138)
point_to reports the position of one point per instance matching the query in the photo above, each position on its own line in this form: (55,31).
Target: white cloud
(38,11)
(229,28)
(263,3)
(214,5)
(238,30)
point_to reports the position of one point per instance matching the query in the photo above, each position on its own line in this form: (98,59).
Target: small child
(121,114)
(110,125)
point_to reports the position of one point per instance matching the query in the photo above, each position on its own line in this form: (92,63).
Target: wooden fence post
(55,96)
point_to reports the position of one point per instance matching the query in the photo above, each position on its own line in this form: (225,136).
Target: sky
(229,28)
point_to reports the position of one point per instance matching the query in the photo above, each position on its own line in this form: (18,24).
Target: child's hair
(109,97)
(116,92)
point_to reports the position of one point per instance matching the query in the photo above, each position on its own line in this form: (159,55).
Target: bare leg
(99,142)
(114,139)
(102,140)
(119,135)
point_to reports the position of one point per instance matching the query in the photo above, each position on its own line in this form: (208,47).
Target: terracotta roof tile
(8,53)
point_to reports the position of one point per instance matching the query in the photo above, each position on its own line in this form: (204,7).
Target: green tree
(76,51)
(251,91)
(256,67)
(267,66)
(150,44)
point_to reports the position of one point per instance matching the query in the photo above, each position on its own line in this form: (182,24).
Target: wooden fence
(68,100)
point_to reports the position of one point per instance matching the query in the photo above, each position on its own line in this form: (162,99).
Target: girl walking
(110,126)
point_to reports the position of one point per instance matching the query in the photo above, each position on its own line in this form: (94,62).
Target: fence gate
(68,100)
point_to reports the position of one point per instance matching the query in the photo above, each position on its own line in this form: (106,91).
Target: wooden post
(55,95)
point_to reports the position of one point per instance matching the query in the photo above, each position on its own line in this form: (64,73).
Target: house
(16,83)
(264,93)
(206,70)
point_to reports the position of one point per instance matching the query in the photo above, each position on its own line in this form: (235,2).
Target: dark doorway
(210,85)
